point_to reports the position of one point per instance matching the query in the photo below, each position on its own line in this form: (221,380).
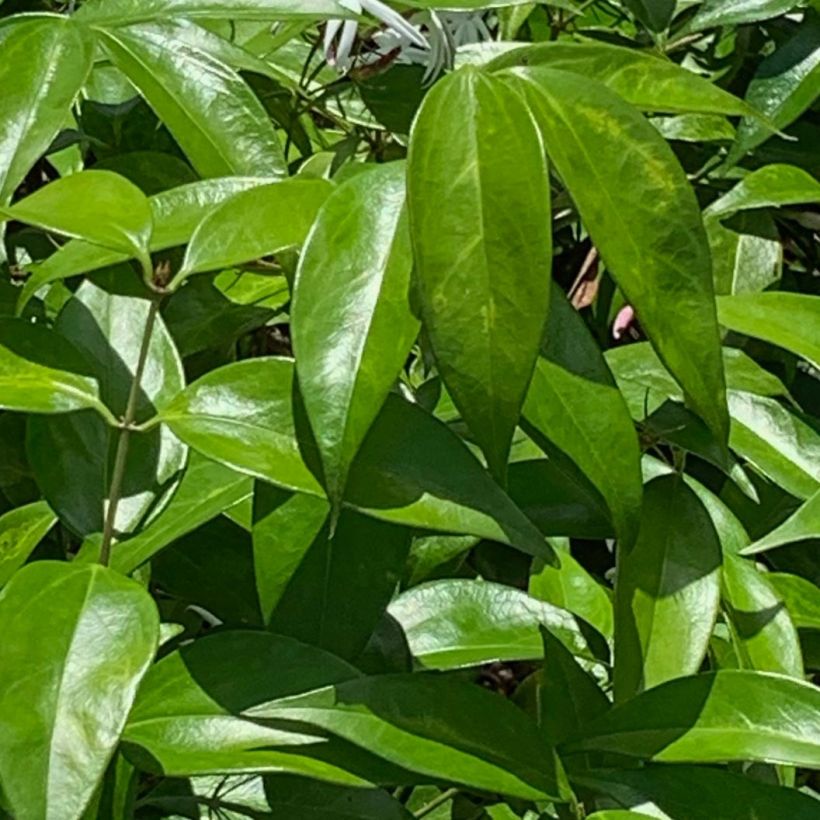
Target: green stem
(121,457)
(437,801)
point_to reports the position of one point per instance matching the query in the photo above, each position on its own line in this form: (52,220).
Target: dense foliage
(409,412)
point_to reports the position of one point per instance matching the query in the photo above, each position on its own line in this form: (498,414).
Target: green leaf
(666,591)
(205,490)
(715,717)
(574,403)
(251,224)
(186,717)
(483,262)
(107,327)
(722,13)
(351,322)
(176,213)
(98,206)
(802,598)
(642,215)
(777,442)
(411,469)
(569,586)
(644,79)
(212,113)
(21,530)
(76,642)
(654,14)
(785,85)
(45,62)
(440,728)
(803,524)
(456,623)
(40,373)
(772,186)
(617,814)
(699,793)
(125,12)
(788,320)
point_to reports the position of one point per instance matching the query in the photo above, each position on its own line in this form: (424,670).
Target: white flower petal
(394,20)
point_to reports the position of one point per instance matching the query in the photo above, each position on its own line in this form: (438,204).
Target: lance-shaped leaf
(645,80)
(483,260)
(643,217)
(440,728)
(45,62)
(715,717)
(99,206)
(76,642)
(212,113)
(654,14)
(176,213)
(721,13)
(788,320)
(255,223)
(21,530)
(350,319)
(573,402)
(40,373)
(410,469)
(667,590)
(803,524)
(802,598)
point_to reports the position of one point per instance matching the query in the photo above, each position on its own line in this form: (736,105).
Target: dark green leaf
(803,524)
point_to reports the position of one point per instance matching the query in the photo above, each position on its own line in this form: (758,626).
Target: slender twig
(437,801)
(115,490)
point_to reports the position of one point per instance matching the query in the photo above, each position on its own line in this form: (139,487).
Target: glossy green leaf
(802,598)
(777,442)
(785,85)
(603,148)
(643,79)
(722,13)
(66,684)
(39,373)
(45,62)
(699,793)
(483,263)
(709,718)
(455,623)
(617,814)
(351,321)
(212,113)
(258,222)
(205,490)
(186,717)
(569,586)
(98,206)
(803,524)
(125,12)
(772,186)
(654,14)
(21,530)
(176,213)
(667,590)
(410,469)
(440,728)
(573,402)
(789,320)
(107,327)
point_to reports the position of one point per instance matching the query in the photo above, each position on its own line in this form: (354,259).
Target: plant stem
(115,490)
(437,801)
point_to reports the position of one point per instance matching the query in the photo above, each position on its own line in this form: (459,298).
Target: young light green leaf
(411,469)
(803,524)
(460,622)
(21,530)
(437,727)
(214,116)
(628,186)
(772,186)
(45,62)
(802,598)
(788,320)
(351,322)
(98,206)
(712,718)
(483,262)
(666,591)
(66,684)
(255,223)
